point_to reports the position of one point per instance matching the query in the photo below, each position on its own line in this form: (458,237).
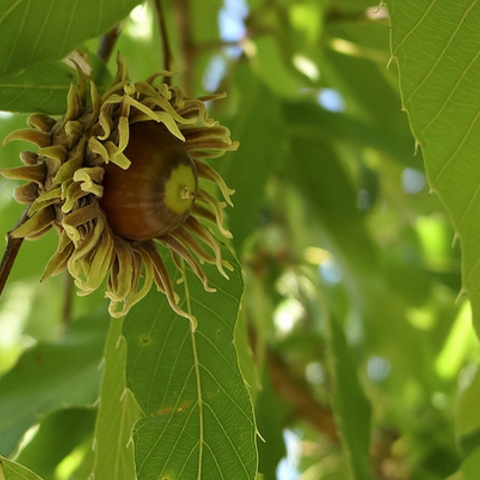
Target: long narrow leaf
(117,413)
(351,408)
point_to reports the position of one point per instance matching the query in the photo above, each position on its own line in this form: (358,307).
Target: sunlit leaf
(34,32)
(198,416)
(438,75)
(51,376)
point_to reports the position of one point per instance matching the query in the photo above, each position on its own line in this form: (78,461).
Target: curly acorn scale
(156,193)
(116,176)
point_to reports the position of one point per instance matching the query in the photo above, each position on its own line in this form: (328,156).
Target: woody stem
(167,52)
(11,251)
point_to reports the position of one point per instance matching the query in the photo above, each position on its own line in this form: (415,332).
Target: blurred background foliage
(361,351)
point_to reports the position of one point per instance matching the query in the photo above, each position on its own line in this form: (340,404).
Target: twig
(297,393)
(108,42)
(11,251)
(215,45)
(67,301)
(167,52)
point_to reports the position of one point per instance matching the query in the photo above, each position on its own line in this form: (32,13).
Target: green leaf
(270,426)
(467,418)
(321,174)
(10,470)
(379,106)
(59,433)
(248,366)
(317,169)
(351,409)
(43,88)
(306,119)
(198,415)
(469,469)
(248,169)
(51,376)
(438,78)
(269,65)
(117,412)
(39,31)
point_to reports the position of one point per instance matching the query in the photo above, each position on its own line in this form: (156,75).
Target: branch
(167,52)
(67,301)
(11,251)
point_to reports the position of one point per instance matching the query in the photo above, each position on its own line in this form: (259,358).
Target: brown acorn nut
(157,192)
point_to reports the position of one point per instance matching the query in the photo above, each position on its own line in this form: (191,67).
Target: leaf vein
(415,27)
(457,150)
(452,91)
(227,395)
(229,440)
(37,40)
(19,33)
(442,54)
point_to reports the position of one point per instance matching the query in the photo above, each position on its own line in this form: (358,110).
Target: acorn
(116,176)
(157,192)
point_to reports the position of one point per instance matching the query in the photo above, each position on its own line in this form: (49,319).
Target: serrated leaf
(10,470)
(351,409)
(39,31)
(51,376)
(438,79)
(117,413)
(198,416)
